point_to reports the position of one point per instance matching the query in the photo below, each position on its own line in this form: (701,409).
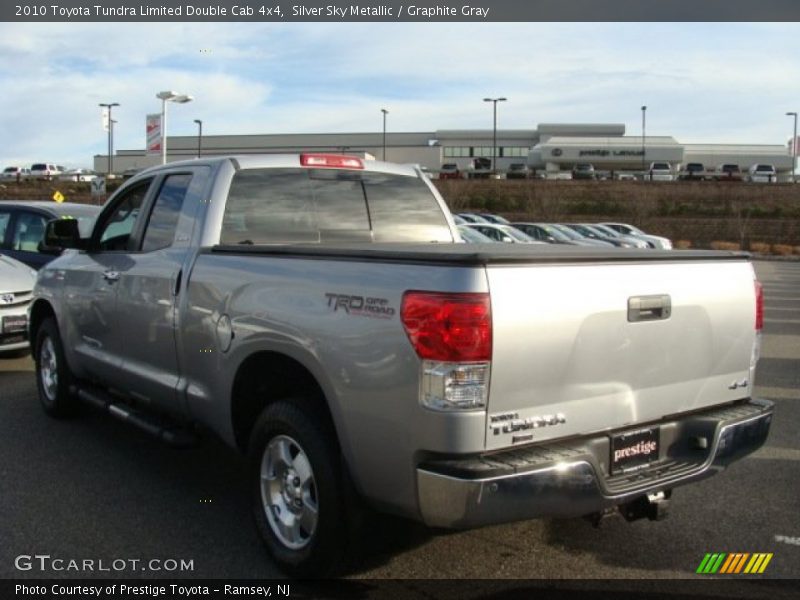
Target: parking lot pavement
(94,488)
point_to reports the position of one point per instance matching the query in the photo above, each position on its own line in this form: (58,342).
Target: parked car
(473,236)
(502,233)
(449,171)
(17,173)
(593,234)
(479,168)
(583,171)
(763,174)
(660,171)
(16,293)
(581,239)
(78,175)
(693,171)
(472,218)
(624,176)
(550,234)
(46,170)
(728,172)
(22,226)
(315,313)
(518,171)
(494,218)
(636,242)
(657,241)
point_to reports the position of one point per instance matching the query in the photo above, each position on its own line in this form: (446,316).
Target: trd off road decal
(363,306)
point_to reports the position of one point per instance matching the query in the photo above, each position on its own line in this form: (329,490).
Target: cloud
(717,82)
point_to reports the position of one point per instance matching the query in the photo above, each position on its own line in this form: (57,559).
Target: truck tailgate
(580,348)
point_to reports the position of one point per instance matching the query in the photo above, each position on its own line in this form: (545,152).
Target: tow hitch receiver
(654,506)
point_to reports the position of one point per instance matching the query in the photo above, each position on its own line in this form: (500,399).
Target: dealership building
(551,148)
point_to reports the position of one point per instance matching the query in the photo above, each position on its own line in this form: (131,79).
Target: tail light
(331,161)
(759,325)
(759,306)
(452,334)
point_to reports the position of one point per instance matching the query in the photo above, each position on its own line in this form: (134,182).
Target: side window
(160,230)
(117,226)
(5,217)
(28,232)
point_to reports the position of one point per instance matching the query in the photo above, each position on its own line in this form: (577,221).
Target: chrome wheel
(48,369)
(289,492)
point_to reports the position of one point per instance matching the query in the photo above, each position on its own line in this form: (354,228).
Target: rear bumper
(572,479)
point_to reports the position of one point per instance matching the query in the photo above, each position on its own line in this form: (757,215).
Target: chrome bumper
(571,479)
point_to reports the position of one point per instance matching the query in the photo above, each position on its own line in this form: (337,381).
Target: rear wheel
(298,492)
(53,377)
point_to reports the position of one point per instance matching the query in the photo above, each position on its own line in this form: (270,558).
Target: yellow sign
(58,197)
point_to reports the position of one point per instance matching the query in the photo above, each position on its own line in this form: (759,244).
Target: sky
(701,82)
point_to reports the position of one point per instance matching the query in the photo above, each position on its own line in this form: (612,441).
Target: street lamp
(794,147)
(385,112)
(109,106)
(199,136)
(168,97)
(494,102)
(644,112)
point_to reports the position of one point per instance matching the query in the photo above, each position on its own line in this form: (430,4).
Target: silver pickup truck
(317,313)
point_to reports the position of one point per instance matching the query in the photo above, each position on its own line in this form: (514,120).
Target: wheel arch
(265,377)
(40,310)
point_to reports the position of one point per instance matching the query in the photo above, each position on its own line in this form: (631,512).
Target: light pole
(494,102)
(385,112)
(199,136)
(165,97)
(109,106)
(644,112)
(794,146)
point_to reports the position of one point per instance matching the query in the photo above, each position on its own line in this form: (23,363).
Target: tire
(53,377)
(299,494)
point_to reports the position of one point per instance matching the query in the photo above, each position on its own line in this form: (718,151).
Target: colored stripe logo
(734,563)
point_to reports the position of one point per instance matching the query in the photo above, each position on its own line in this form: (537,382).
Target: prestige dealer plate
(634,449)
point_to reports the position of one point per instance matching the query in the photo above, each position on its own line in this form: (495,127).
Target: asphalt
(93,488)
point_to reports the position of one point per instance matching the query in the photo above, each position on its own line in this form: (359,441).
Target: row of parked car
(48,171)
(693,171)
(486,228)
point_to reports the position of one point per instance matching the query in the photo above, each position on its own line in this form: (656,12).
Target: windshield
(661,166)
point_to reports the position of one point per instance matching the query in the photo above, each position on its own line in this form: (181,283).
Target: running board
(175,437)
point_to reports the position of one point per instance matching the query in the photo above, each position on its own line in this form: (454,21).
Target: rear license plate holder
(634,450)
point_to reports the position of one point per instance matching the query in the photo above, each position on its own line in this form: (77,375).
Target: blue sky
(713,83)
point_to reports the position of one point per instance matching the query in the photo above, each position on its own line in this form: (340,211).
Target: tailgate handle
(649,308)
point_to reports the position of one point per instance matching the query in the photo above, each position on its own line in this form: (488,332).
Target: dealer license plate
(15,324)
(634,449)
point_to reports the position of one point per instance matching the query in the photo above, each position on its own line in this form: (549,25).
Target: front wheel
(53,377)
(298,491)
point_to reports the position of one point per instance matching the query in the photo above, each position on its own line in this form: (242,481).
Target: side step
(150,424)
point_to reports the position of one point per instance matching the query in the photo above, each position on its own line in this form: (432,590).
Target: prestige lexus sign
(604,153)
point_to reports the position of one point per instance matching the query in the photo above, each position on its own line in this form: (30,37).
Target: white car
(78,175)
(660,171)
(16,173)
(763,174)
(499,232)
(16,288)
(46,170)
(655,240)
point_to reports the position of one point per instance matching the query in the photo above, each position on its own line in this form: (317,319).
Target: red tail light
(331,161)
(759,306)
(448,327)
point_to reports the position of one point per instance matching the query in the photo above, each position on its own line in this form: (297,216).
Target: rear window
(662,166)
(39,167)
(267,206)
(694,167)
(765,168)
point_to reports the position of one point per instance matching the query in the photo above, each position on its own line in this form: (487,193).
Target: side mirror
(60,234)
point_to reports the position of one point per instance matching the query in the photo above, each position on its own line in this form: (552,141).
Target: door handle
(649,308)
(111,275)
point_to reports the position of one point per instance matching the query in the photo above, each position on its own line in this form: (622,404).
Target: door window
(118,224)
(163,222)
(5,217)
